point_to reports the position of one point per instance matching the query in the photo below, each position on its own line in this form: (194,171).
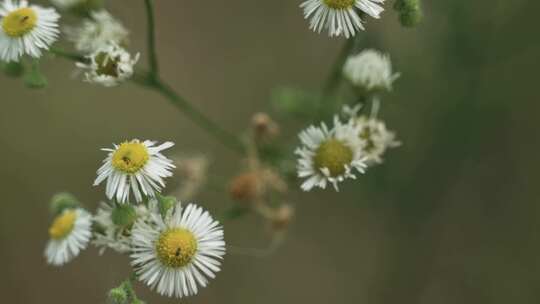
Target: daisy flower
(340,17)
(370,71)
(99,30)
(177,254)
(109,66)
(26,29)
(329,156)
(69,234)
(134,166)
(375,138)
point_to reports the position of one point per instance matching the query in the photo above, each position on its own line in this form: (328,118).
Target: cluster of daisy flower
(330,155)
(28,30)
(174,249)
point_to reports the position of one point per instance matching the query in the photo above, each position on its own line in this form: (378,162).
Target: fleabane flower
(69,233)
(176,255)
(134,166)
(26,29)
(109,66)
(96,32)
(375,138)
(370,71)
(340,17)
(329,156)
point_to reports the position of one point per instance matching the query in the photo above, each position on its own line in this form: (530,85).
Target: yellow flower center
(19,22)
(106,65)
(176,247)
(334,155)
(62,225)
(130,157)
(339,4)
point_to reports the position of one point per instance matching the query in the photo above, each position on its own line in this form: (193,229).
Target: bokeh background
(451,217)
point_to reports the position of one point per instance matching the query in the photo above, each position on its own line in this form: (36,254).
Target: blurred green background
(451,217)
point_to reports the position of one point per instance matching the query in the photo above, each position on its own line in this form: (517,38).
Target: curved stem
(148,80)
(67,55)
(334,79)
(152,54)
(226,138)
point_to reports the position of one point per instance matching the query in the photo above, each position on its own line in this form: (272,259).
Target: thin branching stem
(151,40)
(67,55)
(227,139)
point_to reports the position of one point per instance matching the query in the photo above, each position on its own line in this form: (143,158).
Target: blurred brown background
(451,217)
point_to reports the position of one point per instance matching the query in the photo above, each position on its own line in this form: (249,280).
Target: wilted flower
(109,65)
(375,138)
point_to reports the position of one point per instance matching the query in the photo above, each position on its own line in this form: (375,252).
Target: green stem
(67,55)
(148,80)
(226,138)
(152,54)
(334,79)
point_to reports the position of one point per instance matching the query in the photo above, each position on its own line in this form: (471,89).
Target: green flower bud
(62,201)
(123,215)
(34,79)
(118,295)
(410,12)
(165,203)
(13,69)
(85,7)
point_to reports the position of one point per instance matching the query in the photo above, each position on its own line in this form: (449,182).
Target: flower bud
(283,217)
(410,12)
(118,295)
(165,203)
(12,69)
(264,127)
(123,215)
(62,201)
(34,79)
(245,187)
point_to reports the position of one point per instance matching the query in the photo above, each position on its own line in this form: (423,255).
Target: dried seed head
(245,187)
(283,218)
(264,127)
